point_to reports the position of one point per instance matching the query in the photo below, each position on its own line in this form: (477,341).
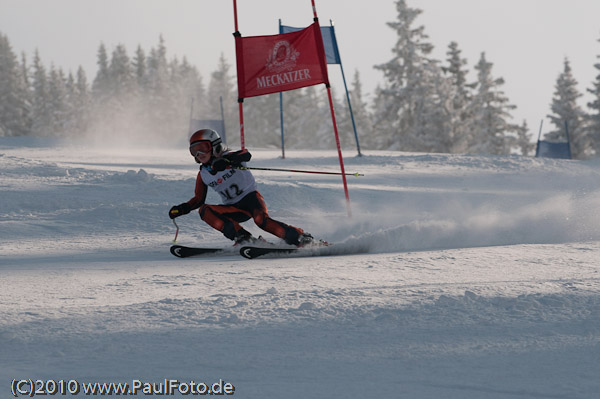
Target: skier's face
(201,151)
(202,157)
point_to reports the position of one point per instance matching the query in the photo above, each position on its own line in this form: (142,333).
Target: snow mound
(457,276)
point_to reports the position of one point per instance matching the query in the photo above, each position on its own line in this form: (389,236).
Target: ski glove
(178,210)
(233,159)
(219,165)
(236,158)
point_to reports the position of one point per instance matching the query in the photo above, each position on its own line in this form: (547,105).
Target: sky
(526,40)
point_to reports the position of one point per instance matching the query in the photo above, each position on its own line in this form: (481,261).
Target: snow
(480,277)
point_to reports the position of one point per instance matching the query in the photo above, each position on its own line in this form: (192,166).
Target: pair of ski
(249,252)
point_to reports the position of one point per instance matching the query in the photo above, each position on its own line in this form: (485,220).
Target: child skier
(237,187)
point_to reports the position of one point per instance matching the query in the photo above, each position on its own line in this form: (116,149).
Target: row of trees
(569,118)
(148,97)
(423,104)
(141,97)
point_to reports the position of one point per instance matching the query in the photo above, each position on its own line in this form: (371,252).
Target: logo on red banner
(282,58)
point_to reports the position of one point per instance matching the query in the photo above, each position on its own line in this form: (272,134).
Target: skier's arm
(194,203)
(238,157)
(200,194)
(233,159)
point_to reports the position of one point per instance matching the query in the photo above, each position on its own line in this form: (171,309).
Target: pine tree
(565,110)
(459,120)
(14,107)
(186,84)
(140,68)
(308,119)
(104,121)
(362,118)
(379,139)
(321,134)
(27,95)
(25,70)
(71,90)
(490,111)
(593,125)
(342,116)
(294,109)
(222,85)
(80,104)
(159,103)
(435,109)
(122,82)
(523,140)
(195,98)
(158,72)
(412,107)
(57,94)
(262,120)
(457,72)
(41,111)
(101,84)
(122,104)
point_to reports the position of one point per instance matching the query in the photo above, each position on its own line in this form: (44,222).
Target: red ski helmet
(205,140)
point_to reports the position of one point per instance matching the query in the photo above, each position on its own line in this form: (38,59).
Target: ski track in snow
(470,276)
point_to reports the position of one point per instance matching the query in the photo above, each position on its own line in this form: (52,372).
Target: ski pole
(176,232)
(299,171)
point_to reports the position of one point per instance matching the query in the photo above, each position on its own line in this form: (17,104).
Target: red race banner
(275,63)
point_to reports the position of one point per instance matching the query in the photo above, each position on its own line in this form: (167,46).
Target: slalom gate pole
(300,171)
(537,146)
(339,149)
(281,114)
(176,232)
(334,38)
(335,129)
(240,100)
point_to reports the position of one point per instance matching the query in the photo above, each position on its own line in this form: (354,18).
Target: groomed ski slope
(482,277)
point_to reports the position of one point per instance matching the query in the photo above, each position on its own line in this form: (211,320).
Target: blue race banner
(332,53)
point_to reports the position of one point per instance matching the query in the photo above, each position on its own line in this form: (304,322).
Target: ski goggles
(200,148)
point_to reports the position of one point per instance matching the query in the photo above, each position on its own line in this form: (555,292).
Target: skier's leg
(255,203)
(226,219)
